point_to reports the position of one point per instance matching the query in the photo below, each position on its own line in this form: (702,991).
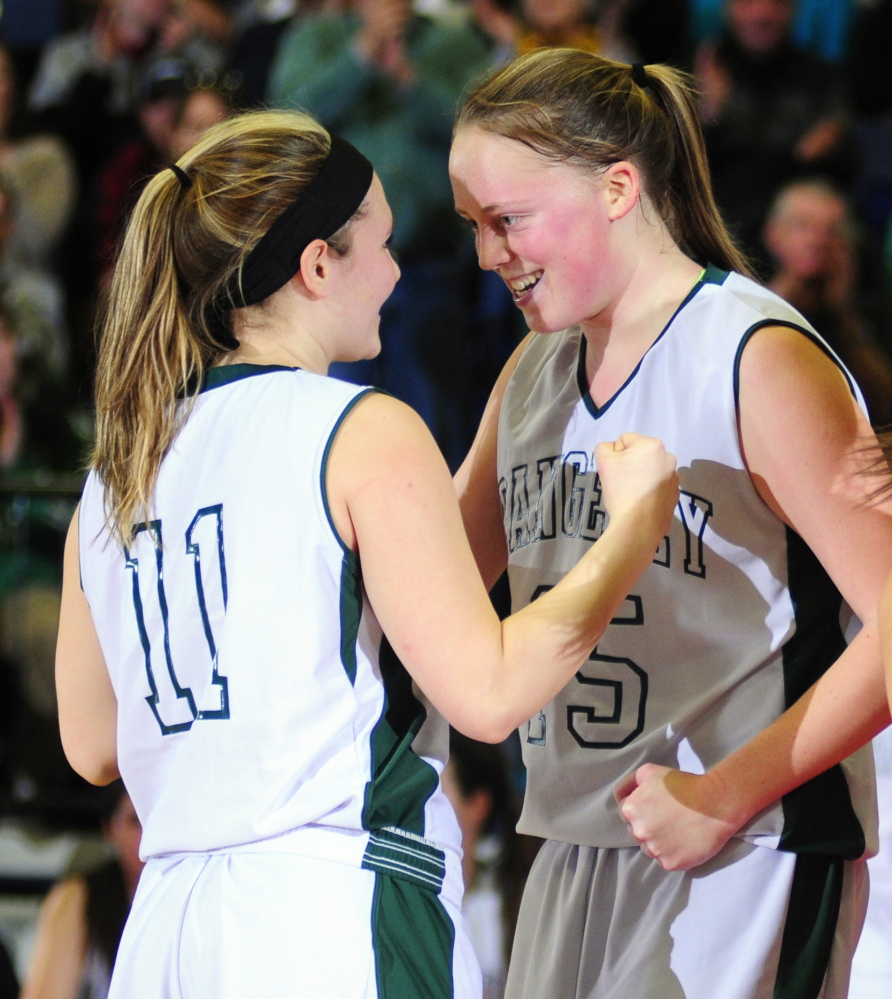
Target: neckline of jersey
(709,275)
(227,373)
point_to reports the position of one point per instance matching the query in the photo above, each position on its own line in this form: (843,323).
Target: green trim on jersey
(818,816)
(714,275)
(228,373)
(401,782)
(710,275)
(812,915)
(413,940)
(351,572)
(323,472)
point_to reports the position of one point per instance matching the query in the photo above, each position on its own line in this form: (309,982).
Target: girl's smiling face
(542,225)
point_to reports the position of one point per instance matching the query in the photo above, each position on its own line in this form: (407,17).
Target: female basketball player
(243,516)
(714,721)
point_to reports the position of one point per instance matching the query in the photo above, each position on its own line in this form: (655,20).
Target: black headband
(320,210)
(640,75)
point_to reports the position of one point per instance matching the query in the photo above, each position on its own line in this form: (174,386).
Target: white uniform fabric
(872,967)
(734,619)
(259,707)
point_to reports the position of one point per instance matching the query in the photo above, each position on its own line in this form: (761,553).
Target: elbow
(98,771)
(490,724)
(94,763)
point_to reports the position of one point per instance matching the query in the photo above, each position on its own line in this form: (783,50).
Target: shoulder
(732,307)
(380,424)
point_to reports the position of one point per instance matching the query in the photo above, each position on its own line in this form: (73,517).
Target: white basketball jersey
(255,693)
(733,620)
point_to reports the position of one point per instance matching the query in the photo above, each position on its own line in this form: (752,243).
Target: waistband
(390,851)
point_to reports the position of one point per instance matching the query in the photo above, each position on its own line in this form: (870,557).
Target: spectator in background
(771,112)
(810,235)
(39,173)
(256,40)
(495,858)
(657,30)
(821,26)
(34,303)
(868,69)
(160,92)
(85,91)
(201,108)
(564,23)
(83,916)
(389,81)
(37,439)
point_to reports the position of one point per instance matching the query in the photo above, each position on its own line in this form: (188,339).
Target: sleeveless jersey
(255,693)
(731,623)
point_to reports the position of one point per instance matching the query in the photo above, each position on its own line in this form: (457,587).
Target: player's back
(233,624)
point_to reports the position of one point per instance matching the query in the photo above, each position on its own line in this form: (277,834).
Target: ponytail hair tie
(639,75)
(181,176)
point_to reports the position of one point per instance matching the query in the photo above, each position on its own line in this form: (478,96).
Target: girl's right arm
(392,499)
(88,709)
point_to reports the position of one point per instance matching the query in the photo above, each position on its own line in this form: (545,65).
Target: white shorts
(753,923)
(247,925)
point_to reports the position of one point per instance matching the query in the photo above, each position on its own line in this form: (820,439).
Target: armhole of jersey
(349,554)
(814,338)
(80,558)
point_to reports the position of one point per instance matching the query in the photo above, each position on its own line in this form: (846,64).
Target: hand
(638,477)
(675,816)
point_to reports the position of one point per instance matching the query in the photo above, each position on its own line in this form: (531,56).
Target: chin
(539,325)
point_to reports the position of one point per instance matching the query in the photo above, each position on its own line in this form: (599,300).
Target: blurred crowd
(97,95)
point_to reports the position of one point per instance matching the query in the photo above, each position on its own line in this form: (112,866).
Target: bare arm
(885,630)
(88,711)
(392,498)
(803,438)
(477,485)
(59,951)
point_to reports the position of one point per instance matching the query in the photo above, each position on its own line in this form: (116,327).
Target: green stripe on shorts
(413,939)
(809,928)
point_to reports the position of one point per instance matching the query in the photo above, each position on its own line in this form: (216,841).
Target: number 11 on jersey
(175,704)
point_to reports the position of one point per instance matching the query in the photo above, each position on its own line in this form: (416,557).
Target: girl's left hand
(674,816)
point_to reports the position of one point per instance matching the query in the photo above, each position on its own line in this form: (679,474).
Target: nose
(492,249)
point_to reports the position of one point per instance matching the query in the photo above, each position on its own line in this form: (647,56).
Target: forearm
(845,709)
(543,645)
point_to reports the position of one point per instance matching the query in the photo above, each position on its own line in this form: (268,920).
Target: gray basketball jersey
(256,695)
(733,620)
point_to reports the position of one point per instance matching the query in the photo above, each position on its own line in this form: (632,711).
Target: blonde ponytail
(166,318)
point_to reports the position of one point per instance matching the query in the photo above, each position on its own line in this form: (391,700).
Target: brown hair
(580,108)
(163,324)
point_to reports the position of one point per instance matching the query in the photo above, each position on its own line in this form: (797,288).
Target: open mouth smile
(522,286)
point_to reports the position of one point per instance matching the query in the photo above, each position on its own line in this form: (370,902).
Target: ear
(315,267)
(621,186)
